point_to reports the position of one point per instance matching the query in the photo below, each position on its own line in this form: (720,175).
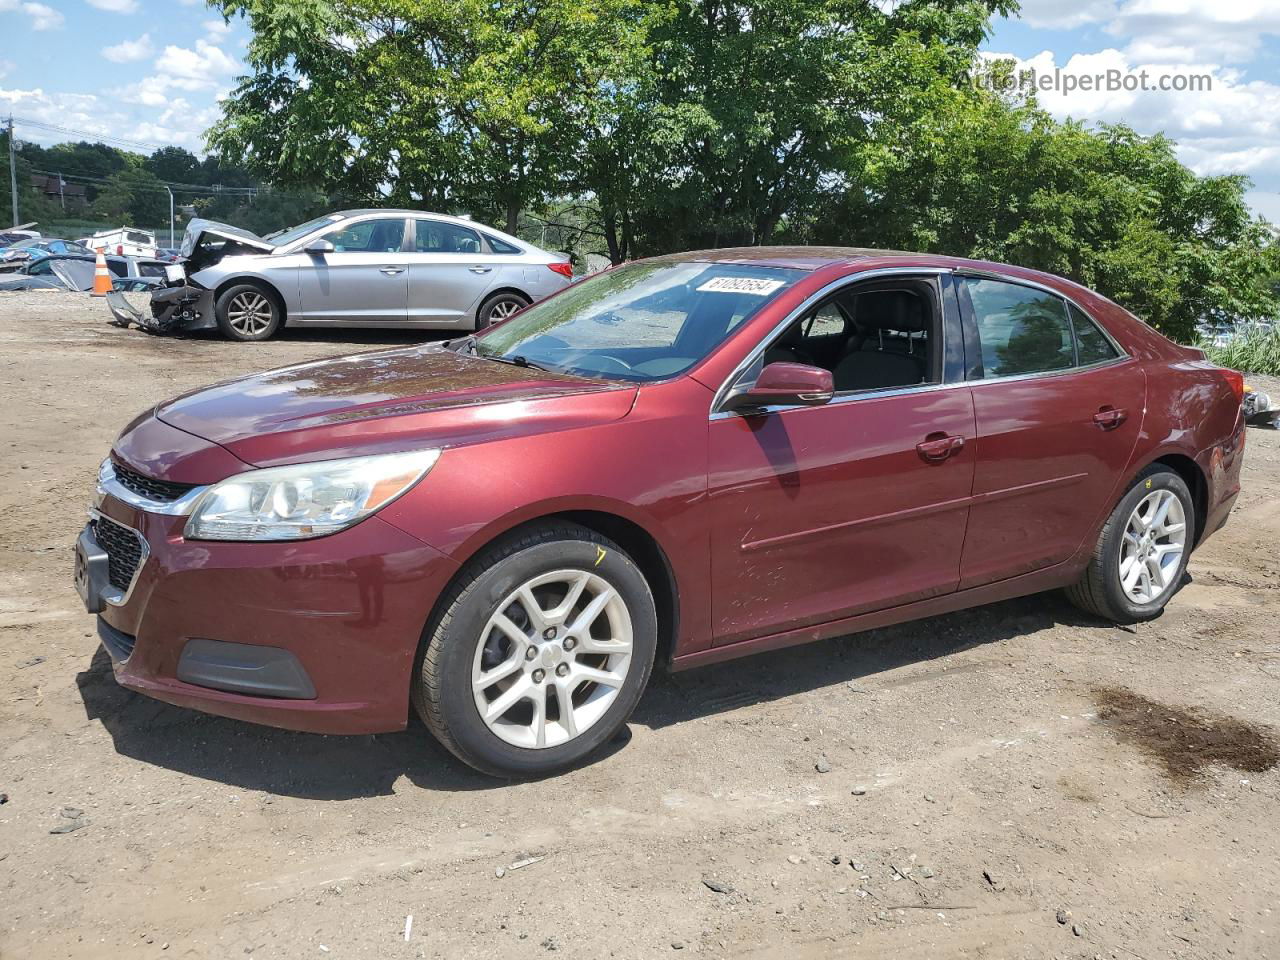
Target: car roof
(402,212)
(817,258)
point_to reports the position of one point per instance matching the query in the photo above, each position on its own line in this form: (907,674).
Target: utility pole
(62,196)
(170,216)
(13,174)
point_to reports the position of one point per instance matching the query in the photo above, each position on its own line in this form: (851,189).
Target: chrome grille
(161,491)
(124,551)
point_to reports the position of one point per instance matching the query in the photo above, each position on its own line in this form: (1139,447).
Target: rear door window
(1021,330)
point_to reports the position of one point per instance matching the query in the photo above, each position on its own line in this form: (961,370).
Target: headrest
(891,310)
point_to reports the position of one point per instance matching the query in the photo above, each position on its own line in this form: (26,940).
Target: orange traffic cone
(101,276)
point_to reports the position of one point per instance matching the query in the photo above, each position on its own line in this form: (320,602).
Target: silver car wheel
(249,313)
(503,309)
(552,659)
(1151,552)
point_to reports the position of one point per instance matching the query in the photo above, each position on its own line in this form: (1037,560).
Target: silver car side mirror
(318,246)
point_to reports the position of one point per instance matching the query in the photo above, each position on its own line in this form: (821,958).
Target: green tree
(175,164)
(133,197)
(997,178)
(476,104)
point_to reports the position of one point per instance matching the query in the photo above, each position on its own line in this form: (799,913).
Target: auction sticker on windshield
(740,285)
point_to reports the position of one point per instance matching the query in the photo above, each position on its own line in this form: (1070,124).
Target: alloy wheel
(1151,552)
(552,659)
(503,309)
(249,313)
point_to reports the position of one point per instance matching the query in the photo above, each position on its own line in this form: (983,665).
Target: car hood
(199,231)
(387,401)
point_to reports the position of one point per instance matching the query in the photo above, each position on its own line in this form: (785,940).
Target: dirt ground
(975,804)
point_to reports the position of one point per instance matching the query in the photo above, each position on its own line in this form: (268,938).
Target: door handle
(391,271)
(1108,418)
(937,448)
(481,269)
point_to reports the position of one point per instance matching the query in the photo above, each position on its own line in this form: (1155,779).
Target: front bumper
(184,307)
(318,635)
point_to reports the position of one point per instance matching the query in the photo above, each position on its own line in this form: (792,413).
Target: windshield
(281,237)
(645,321)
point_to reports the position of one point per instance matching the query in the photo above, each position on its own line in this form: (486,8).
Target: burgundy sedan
(679,460)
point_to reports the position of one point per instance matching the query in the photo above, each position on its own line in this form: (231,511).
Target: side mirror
(318,246)
(784,384)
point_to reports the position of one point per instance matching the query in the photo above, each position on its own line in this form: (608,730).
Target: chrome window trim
(113,594)
(811,301)
(1121,352)
(108,485)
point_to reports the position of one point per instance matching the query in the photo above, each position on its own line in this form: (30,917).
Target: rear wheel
(498,308)
(1142,552)
(247,312)
(539,653)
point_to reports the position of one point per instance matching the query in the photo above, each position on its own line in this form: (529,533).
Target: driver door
(364,279)
(825,512)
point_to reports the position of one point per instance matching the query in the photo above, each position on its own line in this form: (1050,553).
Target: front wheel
(1142,552)
(246,312)
(539,652)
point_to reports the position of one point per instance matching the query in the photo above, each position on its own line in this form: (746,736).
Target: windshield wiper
(515,361)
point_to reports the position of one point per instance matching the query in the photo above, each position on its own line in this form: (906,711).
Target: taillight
(1236,379)
(564,269)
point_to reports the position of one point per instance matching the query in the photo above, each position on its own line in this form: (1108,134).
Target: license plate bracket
(90,574)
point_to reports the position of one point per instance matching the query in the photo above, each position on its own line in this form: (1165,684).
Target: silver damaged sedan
(355,268)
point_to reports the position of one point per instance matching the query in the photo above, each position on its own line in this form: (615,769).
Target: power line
(41,124)
(177,187)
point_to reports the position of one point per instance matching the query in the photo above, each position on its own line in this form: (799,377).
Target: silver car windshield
(301,230)
(640,322)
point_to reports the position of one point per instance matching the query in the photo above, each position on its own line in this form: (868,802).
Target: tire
(498,307)
(1100,590)
(462,646)
(248,312)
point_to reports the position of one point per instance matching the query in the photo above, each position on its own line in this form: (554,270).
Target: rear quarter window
(1092,345)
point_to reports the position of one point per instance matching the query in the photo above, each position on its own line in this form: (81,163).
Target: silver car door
(364,279)
(449,272)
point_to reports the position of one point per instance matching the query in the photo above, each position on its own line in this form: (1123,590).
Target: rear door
(1059,408)
(450,269)
(365,278)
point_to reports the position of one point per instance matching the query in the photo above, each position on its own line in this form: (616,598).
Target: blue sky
(151,72)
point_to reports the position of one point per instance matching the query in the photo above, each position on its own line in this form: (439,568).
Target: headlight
(305,500)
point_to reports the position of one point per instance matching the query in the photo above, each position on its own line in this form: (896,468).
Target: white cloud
(127,51)
(1234,127)
(115,6)
(178,123)
(203,65)
(39,16)
(1166,31)
(216,28)
(1054,14)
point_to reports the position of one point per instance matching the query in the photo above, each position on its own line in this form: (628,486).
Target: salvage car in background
(690,458)
(75,273)
(357,268)
(13,256)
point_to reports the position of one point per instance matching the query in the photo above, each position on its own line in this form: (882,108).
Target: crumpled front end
(183,307)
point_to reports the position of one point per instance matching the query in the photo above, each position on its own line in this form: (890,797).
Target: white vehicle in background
(123,242)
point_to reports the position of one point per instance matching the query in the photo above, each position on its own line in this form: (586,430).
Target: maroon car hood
(385,401)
